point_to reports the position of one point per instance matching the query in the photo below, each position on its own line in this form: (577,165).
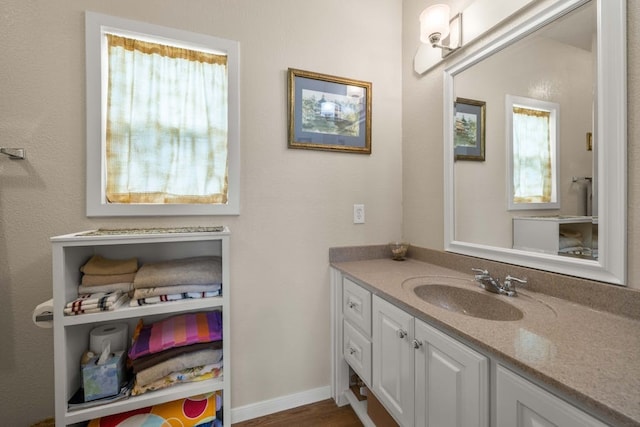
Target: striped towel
(137,302)
(100,300)
(105,304)
(177,331)
(155,300)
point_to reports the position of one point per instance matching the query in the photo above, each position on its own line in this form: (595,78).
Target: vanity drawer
(357,352)
(356,305)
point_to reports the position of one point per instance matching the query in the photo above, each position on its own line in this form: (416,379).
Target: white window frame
(96,81)
(554,135)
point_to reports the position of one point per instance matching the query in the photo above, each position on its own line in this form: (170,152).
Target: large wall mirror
(556,83)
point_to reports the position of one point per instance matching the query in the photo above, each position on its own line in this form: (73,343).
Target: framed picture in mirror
(469,129)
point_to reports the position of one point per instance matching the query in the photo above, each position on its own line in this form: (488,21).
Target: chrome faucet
(491,284)
(486,282)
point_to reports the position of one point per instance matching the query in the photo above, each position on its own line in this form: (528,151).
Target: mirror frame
(610,128)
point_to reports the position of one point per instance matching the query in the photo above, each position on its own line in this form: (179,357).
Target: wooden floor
(324,413)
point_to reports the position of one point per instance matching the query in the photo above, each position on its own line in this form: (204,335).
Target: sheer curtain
(166,138)
(532,174)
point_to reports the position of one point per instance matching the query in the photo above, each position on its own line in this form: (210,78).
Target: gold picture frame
(469,129)
(329,113)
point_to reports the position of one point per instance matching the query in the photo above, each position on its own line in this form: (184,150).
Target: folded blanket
(178,363)
(176,331)
(150,360)
(99,265)
(199,373)
(569,242)
(202,411)
(122,287)
(177,289)
(202,270)
(96,307)
(106,279)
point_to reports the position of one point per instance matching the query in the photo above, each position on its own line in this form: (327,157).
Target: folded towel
(199,373)
(177,289)
(136,302)
(570,233)
(176,331)
(94,298)
(155,300)
(178,363)
(97,264)
(122,287)
(96,308)
(106,279)
(569,242)
(144,362)
(187,271)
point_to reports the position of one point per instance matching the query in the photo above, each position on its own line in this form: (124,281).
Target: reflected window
(533,153)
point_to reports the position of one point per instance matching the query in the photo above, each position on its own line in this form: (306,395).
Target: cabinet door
(521,403)
(393,360)
(451,381)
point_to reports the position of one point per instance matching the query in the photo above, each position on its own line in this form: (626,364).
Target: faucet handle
(509,286)
(480,271)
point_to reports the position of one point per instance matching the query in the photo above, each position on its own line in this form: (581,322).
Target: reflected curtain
(531,156)
(166,133)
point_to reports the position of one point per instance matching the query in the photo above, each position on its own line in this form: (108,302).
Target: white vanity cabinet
(423,376)
(71,333)
(520,403)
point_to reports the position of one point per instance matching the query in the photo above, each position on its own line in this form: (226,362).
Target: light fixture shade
(433,20)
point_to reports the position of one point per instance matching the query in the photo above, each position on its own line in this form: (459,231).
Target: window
(162,120)
(532,129)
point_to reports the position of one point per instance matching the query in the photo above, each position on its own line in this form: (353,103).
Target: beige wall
(295,203)
(423,139)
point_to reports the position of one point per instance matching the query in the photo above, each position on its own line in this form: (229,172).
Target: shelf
(71,333)
(146,310)
(147,399)
(86,237)
(360,408)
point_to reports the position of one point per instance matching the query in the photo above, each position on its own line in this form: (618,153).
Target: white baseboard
(266,407)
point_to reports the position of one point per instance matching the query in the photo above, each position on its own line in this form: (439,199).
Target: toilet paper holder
(46,316)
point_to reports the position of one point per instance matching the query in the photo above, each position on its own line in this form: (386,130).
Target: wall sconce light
(439,31)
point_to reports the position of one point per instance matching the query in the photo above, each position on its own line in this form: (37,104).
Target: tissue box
(103,380)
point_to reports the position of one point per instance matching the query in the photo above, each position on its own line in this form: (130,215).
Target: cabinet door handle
(352,351)
(416,344)
(401,333)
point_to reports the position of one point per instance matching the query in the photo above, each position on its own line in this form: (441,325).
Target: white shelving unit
(71,333)
(543,233)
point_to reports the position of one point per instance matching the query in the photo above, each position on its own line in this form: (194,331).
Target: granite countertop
(590,357)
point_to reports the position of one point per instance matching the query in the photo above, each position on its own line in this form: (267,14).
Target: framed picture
(329,113)
(468,133)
